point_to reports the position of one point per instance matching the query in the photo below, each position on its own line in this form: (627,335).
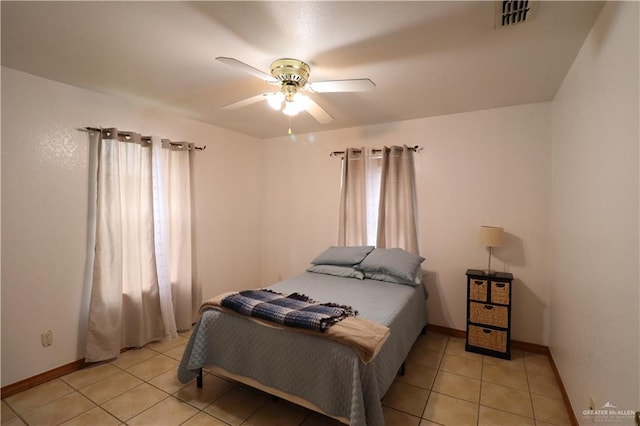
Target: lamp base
(489,271)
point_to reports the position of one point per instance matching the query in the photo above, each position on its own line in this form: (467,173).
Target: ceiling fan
(292,76)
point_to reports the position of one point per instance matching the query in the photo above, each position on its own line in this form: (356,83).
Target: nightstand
(489,313)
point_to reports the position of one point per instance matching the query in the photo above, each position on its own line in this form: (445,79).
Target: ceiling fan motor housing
(290,71)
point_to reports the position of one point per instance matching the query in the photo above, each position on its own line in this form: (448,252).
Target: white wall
(44,216)
(595,332)
(480,168)
(486,167)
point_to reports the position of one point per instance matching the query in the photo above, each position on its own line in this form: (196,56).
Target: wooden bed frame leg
(401,371)
(199,379)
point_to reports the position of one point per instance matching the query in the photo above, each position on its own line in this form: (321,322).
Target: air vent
(512,12)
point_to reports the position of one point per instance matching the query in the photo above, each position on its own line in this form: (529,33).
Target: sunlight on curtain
(352,228)
(179,188)
(162,235)
(373,172)
(172,220)
(397,216)
(141,289)
(378,198)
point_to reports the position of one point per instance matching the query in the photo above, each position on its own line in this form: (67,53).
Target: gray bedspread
(328,374)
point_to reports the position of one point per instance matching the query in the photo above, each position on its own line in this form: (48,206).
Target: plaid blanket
(293,310)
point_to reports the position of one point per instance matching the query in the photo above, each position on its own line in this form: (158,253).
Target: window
(378,198)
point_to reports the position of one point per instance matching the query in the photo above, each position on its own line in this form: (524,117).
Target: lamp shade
(491,236)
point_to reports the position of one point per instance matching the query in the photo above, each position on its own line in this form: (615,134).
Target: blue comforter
(327,374)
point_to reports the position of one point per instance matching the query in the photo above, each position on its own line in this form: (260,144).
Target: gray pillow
(379,276)
(343,256)
(395,262)
(338,271)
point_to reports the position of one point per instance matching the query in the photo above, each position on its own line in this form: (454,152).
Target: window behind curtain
(372,183)
(363,172)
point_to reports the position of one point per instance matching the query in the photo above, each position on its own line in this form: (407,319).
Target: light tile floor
(443,385)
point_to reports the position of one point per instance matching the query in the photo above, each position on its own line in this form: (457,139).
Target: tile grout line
(120,394)
(254,412)
(431,391)
(526,373)
(20,415)
(440,361)
(444,350)
(169,395)
(201,410)
(515,389)
(480,393)
(421,417)
(520,390)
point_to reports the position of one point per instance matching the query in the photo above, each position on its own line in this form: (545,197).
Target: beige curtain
(397,217)
(173,228)
(352,226)
(378,198)
(141,282)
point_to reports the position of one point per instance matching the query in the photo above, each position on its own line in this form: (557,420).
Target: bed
(310,370)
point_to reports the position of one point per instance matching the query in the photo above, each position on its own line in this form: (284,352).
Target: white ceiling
(426,58)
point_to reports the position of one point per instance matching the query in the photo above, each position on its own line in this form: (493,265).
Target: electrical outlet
(47,338)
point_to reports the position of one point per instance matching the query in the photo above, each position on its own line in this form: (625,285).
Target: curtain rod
(416,148)
(144,138)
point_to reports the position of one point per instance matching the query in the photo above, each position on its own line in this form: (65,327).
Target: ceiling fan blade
(247,101)
(333,86)
(318,112)
(248,68)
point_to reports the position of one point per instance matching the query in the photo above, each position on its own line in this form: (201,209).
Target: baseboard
(447,331)
(525,346)
(531,347)
(38,379)
(41,378)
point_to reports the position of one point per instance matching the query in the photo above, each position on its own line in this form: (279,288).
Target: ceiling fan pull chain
(289,125)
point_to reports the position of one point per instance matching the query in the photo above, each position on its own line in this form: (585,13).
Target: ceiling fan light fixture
(292,75)
(291,108)
(298,102)
(275,100)
(301,99)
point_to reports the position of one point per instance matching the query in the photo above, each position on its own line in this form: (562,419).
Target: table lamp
(491,236)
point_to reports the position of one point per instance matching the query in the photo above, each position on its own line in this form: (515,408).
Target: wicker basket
(478,290)
(489,314)
(500,292)
(495,340)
